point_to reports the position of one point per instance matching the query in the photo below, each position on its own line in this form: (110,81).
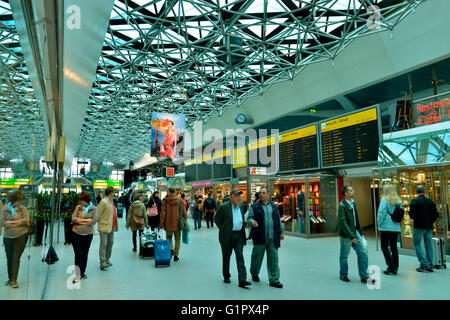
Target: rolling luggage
(146,244)
(438,256)
(162,252)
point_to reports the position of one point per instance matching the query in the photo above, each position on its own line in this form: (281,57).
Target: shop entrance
(363,187)
(308,204)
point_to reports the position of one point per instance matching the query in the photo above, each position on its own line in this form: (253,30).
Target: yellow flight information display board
(190,171)
(298,149)
(13,183)
(204,170)
(254,147)
(103,184)
(240,157)
(222,170)
(350,139)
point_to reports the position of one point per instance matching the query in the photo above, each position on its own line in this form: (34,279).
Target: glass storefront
(409,160)
(307,204)
(220,191)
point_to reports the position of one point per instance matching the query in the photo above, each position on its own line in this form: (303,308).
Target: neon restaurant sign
(432,110)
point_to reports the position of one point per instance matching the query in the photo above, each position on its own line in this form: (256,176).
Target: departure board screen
(190,173)
(222,171)
(298,149)
(350,139)
(263,146)
(204,171)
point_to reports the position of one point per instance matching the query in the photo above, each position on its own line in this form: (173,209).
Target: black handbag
(398,214)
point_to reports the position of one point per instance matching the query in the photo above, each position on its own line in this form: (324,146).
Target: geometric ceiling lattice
(22,131)
(202,57)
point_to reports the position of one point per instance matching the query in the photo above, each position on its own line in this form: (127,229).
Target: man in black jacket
(424,213)
(230,221)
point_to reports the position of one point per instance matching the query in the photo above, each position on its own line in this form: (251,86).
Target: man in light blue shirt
(230,221)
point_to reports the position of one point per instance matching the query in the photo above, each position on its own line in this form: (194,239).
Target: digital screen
(298,149)
(204,172)
(190,173)
(350,139)
(221,171)
(262,146)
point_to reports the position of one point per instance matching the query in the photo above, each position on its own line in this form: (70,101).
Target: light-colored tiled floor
(309,271)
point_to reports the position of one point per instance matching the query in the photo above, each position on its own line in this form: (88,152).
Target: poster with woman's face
(167,134)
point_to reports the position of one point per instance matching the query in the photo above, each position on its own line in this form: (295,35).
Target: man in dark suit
(424,213)
(230,221)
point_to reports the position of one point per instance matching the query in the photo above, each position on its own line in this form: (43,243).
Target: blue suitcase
(162,253)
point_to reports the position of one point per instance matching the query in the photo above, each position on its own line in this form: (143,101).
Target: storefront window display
(413,157)
(220,191)
(436,183)
(308,204)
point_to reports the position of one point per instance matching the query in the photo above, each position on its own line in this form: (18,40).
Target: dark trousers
(210,219)
(197,219)
(14,249)
(237,244)
(389,248)
(81,245)
(134,237)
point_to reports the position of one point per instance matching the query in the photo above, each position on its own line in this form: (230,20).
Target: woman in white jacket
(388,228)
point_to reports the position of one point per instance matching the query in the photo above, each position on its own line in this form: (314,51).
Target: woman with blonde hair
(388,228)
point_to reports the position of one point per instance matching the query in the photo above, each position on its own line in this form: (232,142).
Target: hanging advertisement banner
(432,110)
(167,131)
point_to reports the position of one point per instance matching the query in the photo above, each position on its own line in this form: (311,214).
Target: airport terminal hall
(204,152)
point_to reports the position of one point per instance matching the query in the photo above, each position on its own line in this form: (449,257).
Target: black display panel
(254,150)
(352,139)
(222,171)
(298,149)
(190,173)
(204,172)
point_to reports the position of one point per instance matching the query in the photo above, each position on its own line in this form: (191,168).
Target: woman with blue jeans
(388,228)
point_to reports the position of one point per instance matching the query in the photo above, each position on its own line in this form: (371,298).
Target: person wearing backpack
(209,207)
(137,218)
(198,211)
(389,228)
(424,213)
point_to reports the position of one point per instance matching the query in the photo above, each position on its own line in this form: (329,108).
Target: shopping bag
(185,236)
(153,211)
(364,243)
(161,234)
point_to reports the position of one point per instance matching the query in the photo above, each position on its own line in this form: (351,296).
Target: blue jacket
(385,222)
(259,234)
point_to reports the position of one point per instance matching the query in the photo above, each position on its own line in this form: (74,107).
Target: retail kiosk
(418,156)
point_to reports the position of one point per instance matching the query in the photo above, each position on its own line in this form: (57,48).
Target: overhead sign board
(432,110)
(350,139)
(13,183)
(299,149)
(103,184)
